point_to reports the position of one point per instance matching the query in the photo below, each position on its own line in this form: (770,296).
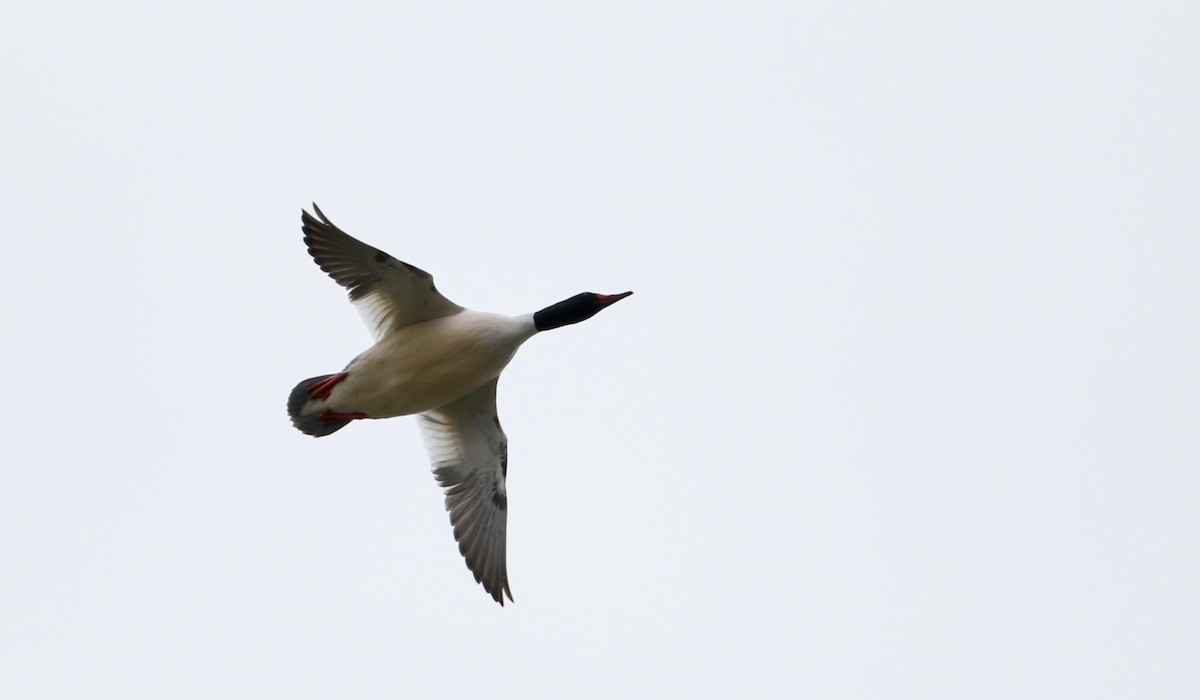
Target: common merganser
(440,361)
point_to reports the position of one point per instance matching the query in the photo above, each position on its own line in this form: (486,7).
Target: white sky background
(905,404)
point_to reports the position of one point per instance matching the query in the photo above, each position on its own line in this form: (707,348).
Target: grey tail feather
(311,424)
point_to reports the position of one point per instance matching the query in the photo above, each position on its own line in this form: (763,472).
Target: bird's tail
(312,422)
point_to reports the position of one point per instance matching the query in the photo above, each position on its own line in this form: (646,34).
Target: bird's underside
(441,362)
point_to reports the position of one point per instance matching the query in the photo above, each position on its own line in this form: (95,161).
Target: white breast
(427,365)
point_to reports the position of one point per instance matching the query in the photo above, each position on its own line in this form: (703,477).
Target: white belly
(430,364)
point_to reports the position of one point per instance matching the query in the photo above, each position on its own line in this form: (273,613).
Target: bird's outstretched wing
(469,455)
(389,293)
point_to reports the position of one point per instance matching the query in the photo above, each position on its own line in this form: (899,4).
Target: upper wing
(470,460)
(389,294)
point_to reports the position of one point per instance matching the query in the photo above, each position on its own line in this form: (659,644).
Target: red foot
(330,416)
(321,389)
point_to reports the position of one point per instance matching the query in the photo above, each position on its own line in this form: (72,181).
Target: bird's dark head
(578,308)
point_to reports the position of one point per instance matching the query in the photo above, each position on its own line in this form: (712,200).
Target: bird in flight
(435,359)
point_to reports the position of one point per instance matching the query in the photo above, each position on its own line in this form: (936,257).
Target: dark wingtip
(497,590)
(310,220)
(499,593)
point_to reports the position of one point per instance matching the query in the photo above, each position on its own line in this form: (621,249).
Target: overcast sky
(906,403)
